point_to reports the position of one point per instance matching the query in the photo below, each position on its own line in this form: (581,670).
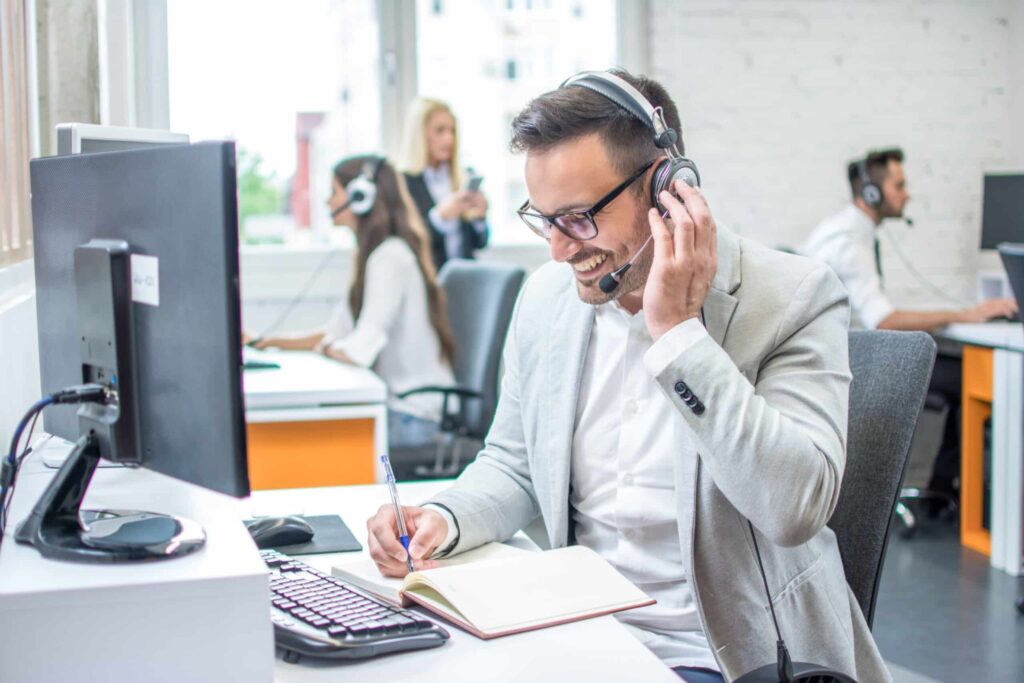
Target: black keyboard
(318,615)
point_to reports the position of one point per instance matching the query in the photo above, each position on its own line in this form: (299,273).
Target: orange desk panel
(285,455)
(977,407)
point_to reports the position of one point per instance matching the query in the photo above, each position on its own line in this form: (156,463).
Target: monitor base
(60,529)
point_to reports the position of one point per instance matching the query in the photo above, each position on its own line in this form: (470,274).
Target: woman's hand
(454,205)
(477,206)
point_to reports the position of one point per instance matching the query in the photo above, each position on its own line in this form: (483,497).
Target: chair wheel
(1020,605)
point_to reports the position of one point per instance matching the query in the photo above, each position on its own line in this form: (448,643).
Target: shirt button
(627,480)
(633,406)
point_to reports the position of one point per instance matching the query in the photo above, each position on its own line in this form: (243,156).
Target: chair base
(909,518)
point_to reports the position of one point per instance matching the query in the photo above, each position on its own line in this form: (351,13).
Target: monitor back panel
(177,204)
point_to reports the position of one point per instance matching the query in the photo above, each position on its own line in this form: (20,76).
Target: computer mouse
(272,532)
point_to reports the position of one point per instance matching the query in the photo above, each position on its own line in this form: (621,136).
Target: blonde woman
(394,319)
(449,201)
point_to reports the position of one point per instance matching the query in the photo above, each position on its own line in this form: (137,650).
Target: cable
(294,302)
(82,393)
(921,279)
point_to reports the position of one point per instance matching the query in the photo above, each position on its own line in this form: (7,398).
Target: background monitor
(1002,212)
(176,206)
(88,138)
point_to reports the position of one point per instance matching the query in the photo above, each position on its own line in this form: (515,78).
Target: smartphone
(473,183)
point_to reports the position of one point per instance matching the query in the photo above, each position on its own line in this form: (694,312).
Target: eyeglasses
(577,225)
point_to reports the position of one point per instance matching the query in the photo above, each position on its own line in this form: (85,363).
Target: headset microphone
(610,282)
(356,196)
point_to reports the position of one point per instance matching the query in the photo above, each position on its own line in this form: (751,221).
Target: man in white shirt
(651,421)
(848,243)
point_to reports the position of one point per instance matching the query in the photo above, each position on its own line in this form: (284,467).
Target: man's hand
(685,260)
(427,529)
(992,308)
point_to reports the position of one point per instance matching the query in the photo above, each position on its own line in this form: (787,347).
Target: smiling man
(669,422)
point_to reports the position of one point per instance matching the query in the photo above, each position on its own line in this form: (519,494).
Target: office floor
(944,615)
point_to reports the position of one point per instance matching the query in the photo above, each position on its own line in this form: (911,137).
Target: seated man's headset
(675,167)
(678,167)
(870,192)
(362,190)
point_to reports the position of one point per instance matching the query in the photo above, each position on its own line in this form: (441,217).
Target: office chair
(924,449)
(480,299)
(891,371)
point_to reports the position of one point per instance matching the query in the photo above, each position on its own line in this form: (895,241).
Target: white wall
(776,96)
(1016,27)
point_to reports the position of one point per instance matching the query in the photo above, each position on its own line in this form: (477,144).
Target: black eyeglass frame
(557,219)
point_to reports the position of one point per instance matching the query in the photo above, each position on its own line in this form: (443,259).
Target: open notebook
(497,590)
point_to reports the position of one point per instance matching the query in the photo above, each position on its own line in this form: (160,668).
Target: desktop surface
(305,379)
(597,649)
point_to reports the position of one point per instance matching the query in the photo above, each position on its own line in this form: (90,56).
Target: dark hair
(877,163)
(566,114)
(392,215)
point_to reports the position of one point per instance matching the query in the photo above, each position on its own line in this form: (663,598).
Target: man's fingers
(661,234)
(682,235)
(387,565)
(697,206)
(384,528)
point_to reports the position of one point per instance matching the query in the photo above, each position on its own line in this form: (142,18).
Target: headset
(666,172)
(870,192)
(362,190)
(676,166)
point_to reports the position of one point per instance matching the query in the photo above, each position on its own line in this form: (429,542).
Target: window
(296,85)
(15,215)
(487,61)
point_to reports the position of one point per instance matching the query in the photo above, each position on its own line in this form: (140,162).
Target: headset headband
(629,98)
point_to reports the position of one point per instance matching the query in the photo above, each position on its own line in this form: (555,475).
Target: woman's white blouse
(394,336)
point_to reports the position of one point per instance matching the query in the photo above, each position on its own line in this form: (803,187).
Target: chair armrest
(446,391)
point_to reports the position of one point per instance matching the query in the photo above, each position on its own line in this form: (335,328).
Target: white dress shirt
(439,183)
(622,495)
(394,335)
(846,242)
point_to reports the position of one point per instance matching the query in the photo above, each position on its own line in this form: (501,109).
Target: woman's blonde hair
(416,154)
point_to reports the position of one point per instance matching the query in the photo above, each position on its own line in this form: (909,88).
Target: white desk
(598,649)
(314,421)
(49,647)
(1007,504)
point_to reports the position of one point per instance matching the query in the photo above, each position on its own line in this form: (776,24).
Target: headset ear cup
(667,172)
(362,193)
(871,194)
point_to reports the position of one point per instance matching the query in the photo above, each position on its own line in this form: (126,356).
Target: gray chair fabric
(481,297)
(891,371)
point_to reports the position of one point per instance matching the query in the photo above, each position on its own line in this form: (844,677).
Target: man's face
(894,191)
(574,176)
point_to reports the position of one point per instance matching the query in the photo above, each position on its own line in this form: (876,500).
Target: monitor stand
(60,529)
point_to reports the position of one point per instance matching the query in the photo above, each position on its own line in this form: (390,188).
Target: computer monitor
(88,138)
(136,263)
(1002,211)
(1013,260)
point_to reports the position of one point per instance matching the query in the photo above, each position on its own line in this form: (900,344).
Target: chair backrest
(480,297)
(891,371)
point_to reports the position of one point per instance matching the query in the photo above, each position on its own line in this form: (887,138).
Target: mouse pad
(330,535)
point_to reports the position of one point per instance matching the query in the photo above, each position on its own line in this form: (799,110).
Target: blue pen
(403,532)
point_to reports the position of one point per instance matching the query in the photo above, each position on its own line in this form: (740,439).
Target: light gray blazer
(774,379)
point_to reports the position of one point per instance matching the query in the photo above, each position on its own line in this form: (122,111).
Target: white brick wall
(775,97)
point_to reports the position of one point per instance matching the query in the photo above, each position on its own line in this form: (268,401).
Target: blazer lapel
(567,339)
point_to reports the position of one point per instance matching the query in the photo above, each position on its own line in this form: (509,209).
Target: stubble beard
(635,277)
